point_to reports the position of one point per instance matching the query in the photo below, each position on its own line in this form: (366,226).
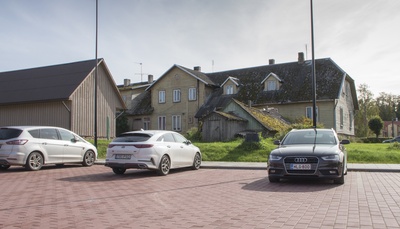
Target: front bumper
(316,169)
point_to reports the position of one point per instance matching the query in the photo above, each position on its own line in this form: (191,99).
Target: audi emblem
(300,160)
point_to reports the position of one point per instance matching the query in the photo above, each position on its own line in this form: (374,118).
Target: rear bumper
(131,165)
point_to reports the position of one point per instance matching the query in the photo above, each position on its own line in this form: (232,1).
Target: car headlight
(274,157)
(331,157)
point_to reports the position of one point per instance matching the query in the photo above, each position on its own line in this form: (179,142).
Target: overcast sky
(361,36)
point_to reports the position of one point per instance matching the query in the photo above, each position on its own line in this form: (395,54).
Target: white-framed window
(229,89)
(176,123)
(161,97)
(271,85)
(161,122)
(192,94)
(146,123)
(309,112)
(176,95)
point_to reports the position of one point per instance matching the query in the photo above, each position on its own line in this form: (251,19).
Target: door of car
(73,149)
(52,146)
(184,153)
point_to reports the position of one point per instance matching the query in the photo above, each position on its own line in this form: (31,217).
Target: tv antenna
(141,71)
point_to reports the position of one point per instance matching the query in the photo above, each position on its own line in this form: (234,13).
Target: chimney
(271,61)
(197,68)
(127,82)
(150,79)
(301,57)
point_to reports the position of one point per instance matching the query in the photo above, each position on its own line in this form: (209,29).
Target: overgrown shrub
(193,134)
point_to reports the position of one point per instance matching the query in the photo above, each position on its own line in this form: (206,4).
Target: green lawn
(240,151)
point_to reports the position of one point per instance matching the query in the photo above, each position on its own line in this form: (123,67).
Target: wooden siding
(83,106)
(252,123)
(218,128)
(345,108)
(45,114)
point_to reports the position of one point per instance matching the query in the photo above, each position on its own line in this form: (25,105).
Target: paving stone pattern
(94,197)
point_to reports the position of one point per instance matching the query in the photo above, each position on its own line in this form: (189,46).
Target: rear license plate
(123,156)
(300,166)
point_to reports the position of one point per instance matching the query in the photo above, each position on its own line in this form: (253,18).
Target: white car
(35,146)
(158,150)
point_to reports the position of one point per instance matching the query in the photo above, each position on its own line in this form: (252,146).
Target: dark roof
(141,104)
(296,84)
(56,82)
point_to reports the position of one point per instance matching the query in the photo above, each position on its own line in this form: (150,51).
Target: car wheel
(273,179)
(88,159)
(196,162)
(4,167)
(341,179)
(164,167)
(34,161)
(119,171)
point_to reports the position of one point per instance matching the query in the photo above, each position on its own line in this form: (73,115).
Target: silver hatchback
(35,146)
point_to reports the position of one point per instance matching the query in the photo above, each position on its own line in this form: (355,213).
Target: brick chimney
(301,57)
(149,78)
(127,82)
(271,61)
(197,68)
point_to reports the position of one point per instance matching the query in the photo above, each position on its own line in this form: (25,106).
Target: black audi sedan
(311,153)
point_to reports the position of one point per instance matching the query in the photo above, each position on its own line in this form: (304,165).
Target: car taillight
(141,146)
(17,142)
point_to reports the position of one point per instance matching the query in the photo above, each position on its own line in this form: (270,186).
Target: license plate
(300,166)
(123,156)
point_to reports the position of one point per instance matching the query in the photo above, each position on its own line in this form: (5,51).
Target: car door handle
(169,146)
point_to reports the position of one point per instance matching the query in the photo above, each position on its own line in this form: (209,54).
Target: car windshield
(132,137)
(309,137)
(7,133)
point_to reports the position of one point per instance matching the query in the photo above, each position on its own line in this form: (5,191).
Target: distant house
(133,94)
(61,95)
(237,118)
(391,128)
(183,98)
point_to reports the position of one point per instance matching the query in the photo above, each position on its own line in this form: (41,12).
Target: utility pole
(95,80)
(314,84)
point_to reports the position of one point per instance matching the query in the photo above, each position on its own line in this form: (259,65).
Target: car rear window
(132,137)
(8,133)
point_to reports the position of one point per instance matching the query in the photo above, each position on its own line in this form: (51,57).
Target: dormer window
(272,82)
(230,85)
(229,89)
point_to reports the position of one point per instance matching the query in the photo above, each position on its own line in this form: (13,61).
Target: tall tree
(368,109)
(387,104)
(376,125)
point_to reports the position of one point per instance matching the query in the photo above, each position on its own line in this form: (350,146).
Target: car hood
(306,150)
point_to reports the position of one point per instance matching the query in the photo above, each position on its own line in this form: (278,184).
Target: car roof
(29,127)
(150,131)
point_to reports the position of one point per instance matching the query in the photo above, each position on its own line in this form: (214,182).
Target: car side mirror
(345,141)
(74,140)
(277,142)
(188,142)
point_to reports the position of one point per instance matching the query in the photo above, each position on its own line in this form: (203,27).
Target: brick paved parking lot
(93,197)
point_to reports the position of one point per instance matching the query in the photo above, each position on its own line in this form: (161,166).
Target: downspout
(334,114)
(70,116)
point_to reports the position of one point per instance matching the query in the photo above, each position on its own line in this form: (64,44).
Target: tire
(34,161)
(88,158)
(273,179)
(4,167)
(165,166)
(119,171)
(196,162)
(339,180)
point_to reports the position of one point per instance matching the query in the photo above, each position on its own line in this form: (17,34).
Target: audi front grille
(305,165)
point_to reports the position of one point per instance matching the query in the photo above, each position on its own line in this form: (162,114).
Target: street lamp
(314,84)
